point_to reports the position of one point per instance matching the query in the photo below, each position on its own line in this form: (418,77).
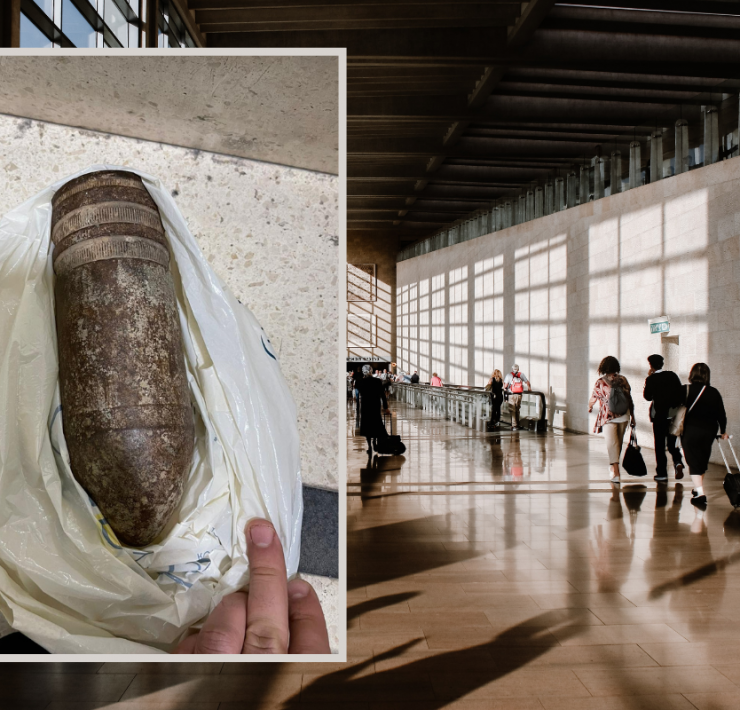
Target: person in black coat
(372,396)
(495,387)
(705,415)
(415,378)
(664,390)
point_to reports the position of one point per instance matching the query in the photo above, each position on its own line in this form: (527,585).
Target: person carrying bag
(702,416)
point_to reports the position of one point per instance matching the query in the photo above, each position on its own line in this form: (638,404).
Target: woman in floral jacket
(613,425)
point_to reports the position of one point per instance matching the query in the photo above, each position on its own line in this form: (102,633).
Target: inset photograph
(169,245)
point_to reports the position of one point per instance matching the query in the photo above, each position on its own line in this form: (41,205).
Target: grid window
(77,29)
(91,23)
(172,30)
(32,36)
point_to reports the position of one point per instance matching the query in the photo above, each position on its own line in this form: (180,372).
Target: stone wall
(557,294)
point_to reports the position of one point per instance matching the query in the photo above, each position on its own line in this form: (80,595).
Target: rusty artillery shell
(127,417)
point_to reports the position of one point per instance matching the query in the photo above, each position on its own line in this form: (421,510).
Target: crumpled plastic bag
(65,580)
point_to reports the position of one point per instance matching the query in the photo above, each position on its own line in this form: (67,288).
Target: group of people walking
(695,410)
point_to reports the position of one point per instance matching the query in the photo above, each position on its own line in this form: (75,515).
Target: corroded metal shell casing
(127,417)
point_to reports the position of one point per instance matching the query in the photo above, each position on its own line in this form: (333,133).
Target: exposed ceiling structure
(452,105)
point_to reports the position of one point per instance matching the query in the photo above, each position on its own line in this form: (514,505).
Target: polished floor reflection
(485,571)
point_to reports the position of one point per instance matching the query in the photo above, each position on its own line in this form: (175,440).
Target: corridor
(506,571)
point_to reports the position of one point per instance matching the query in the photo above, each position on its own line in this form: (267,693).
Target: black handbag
(633,462)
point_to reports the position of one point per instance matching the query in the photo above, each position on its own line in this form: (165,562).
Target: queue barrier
(469,406)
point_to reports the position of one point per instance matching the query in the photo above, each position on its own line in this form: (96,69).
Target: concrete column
(711,135)
(530,205)
(656,156)
(549,198)
(571,191)
(584,192)
(499,217)
(522,209)
(598,178)
(539,202)
(681,160)
(508,217)
(559,194)
(635,164)
(616,173)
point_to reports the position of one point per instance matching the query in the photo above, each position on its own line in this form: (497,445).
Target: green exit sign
(660,325)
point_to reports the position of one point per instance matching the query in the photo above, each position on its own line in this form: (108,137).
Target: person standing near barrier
(616,410)
(372,396)
(495,389)
(514,385)
(663,389)
(415,378)
(436,381)
(705,415)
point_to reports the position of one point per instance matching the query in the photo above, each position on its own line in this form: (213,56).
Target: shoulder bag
(633,462)
(676,426)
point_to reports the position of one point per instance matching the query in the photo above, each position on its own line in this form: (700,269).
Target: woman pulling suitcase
(705,415)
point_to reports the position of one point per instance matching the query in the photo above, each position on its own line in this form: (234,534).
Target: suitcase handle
(390,416)
(732,449)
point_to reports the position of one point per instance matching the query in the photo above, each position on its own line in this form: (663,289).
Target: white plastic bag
(65,581)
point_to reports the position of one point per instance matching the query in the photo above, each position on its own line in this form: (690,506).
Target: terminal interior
(531,184)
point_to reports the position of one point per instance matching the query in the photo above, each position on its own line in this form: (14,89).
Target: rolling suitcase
(731,483)
(390,444)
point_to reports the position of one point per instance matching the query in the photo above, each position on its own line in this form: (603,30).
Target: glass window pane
(115,20)
(133,36)
(32,36)
(76,27)
(134,5)
(162,41)
(47,6)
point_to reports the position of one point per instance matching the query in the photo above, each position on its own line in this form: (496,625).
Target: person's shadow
(453,674)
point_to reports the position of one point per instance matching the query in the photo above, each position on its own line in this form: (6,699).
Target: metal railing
(469,406)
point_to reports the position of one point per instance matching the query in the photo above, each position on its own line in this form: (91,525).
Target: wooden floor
(485,571)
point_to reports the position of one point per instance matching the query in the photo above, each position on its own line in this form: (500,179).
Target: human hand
(632,421)
(387,410)
(590,409)
(651,372)
(725,436)
(272,616)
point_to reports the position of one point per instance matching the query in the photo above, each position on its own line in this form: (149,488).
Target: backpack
(516,384)
(619,401)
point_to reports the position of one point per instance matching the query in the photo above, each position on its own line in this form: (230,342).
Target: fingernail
(298,589)
(261,535)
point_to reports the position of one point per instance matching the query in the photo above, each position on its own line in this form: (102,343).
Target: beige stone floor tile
(579,600)
(167,668)
(671,701)
(338,688)
(730,670)
(420,619)
(531,588)
(500,684)
(708,653)
(574,657)
(465,600)
(269,687)
(506,618)
(449,637)
(34,687)
(702,631)
(714,701)
(655,681)
(49,667)
(142,704)
(623,633)
(659,615)
(362,664)
(464,704)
